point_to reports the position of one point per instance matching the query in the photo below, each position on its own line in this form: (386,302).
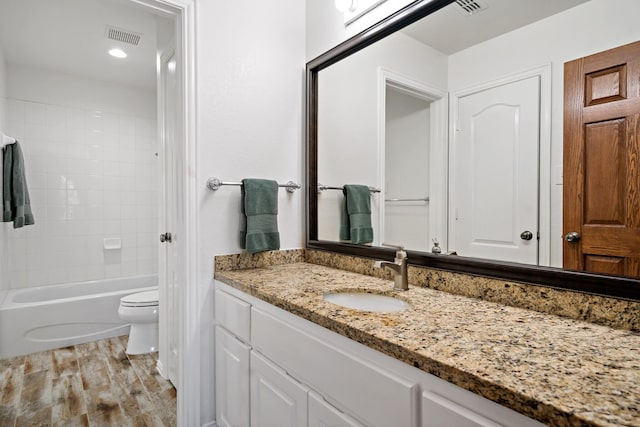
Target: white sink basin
(367,302)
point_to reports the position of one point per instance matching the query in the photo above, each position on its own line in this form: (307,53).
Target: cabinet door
(277,400)
(322,414)
(232,380)
(440,412)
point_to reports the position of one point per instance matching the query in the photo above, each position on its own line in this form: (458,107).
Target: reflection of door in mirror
(406,174)
(494,171)
(602,162)
(412,161)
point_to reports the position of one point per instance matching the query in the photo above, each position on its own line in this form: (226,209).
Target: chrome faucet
(399,267)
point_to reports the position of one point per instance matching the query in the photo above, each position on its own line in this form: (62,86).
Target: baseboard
(160,369)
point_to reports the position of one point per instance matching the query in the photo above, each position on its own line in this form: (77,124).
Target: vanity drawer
(233,314)
(376,396)
(440,412)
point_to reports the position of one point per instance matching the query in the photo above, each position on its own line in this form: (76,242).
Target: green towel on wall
(260,207)
(16,202)
(355,224)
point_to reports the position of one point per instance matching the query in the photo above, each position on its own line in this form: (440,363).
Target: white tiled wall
(91,175)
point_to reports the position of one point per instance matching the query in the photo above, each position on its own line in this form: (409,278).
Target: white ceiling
(450,31)
(69,36)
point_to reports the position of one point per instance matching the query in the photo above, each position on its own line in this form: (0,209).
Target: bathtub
(49,317)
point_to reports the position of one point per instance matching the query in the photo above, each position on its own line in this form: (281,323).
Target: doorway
(122,129)
(499,165)
(413,131)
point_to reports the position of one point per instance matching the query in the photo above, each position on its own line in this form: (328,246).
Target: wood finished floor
(91,384)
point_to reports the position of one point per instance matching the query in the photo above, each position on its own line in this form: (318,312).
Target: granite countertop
(559,371)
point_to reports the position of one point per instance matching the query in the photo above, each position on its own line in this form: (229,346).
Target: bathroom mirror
(393,108)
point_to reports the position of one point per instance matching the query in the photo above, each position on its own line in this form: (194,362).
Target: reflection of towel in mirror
(260,206)
(16,202)
(355,224)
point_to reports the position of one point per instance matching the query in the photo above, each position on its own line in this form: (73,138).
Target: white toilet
(141,311)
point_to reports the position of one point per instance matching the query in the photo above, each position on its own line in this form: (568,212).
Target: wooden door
(601,200)
(495,162)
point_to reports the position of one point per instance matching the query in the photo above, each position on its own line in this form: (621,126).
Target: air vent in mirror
(469,7)
(124,36)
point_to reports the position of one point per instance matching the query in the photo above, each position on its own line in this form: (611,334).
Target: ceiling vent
(123,36)
(469,7)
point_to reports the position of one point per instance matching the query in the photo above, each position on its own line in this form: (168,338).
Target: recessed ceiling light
(118,53)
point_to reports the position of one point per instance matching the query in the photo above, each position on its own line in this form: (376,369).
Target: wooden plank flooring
(91,384)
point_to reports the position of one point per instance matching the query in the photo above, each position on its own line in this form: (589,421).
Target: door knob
(572,237)
(166,237)
(526,235)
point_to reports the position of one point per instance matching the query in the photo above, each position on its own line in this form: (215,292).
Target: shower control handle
(166,237)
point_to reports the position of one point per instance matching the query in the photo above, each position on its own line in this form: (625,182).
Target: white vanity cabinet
(443,412)
(366,390)
(279,369)
(322,414)
(232,380)
(277,400)
(232,360)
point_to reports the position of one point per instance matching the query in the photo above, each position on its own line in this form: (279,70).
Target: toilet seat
(140,299)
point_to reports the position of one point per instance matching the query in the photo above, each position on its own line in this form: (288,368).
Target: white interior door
(495,161)
(170,217)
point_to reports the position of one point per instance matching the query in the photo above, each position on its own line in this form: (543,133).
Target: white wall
(250,81)
(89,151)
(34,84)
(348,113)
(4,228)
(577,32)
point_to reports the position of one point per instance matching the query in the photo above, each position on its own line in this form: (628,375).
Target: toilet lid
(141,299)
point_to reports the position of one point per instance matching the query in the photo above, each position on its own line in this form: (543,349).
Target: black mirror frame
(606,285)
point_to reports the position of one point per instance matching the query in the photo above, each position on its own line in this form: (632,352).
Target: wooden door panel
(632,165)
(615,240)
(606,265)
(606,85)
(610,110)
(604,172)
(601,198)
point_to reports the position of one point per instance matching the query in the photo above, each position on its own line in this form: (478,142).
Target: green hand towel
(356,221)
(260,203)
(16,202)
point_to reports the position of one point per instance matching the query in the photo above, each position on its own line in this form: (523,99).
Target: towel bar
(421,199)
(214,183)
(6,140)
(321,188)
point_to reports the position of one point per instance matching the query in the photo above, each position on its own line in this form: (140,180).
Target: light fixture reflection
(117,53)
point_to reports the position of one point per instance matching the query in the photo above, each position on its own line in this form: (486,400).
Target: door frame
(188,396)
(437,152)
(544,150)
